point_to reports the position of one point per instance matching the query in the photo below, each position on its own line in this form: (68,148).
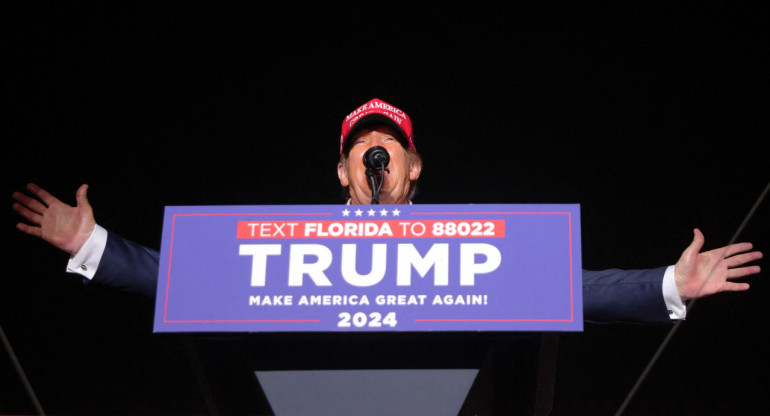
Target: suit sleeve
(128,266)
(615,295)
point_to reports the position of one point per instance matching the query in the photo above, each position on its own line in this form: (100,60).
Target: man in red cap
(378,123)
(654,295)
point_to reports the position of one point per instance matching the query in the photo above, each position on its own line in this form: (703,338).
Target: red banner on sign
(371,229)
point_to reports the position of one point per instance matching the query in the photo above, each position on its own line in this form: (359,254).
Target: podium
(431,309)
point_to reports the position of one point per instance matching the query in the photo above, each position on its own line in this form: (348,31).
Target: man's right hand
(64,226)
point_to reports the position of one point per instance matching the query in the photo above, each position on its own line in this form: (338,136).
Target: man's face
(401,171)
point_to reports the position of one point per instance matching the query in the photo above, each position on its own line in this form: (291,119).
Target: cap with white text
(377,111)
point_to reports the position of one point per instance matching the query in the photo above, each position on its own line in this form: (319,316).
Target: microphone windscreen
(376,157)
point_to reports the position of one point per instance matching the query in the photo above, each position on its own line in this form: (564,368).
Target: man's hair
(412,157)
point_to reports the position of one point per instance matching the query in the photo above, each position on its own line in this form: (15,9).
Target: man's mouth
(378,176)
(379,173)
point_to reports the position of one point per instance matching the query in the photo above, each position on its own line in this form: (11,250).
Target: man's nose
(375,141)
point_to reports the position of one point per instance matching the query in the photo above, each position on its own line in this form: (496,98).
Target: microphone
(376,158)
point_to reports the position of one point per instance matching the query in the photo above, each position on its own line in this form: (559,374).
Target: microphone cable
(27,386)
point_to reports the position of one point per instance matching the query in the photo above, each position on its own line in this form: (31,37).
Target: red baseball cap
(376,110)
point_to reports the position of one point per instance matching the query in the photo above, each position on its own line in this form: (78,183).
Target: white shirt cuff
(87,259)
(674,304)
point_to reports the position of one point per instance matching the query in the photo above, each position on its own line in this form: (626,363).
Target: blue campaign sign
(330,268)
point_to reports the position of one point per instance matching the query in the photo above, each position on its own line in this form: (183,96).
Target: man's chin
(387,199)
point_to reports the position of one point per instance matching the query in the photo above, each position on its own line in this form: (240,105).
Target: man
(654,295)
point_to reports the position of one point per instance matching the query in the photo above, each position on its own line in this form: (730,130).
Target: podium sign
(370,268)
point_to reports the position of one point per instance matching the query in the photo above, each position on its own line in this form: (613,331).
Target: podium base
(367,392)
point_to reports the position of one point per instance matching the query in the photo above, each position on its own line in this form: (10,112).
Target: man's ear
(342,173)
(415,167)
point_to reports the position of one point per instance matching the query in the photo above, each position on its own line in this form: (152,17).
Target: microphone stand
(373,183)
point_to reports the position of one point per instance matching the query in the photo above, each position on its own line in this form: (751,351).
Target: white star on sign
(384,213)
(370,212)
(358,212)
(345,213)
(396,212)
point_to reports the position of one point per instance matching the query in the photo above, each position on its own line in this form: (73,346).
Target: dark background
(654,117)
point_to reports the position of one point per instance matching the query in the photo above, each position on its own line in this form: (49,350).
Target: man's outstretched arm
(638,295)
(99,256)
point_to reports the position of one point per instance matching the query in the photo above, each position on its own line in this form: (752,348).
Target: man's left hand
(701,274)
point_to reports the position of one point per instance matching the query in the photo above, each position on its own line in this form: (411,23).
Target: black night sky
(654,117)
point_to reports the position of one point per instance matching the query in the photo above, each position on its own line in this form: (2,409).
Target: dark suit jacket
(612,295)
